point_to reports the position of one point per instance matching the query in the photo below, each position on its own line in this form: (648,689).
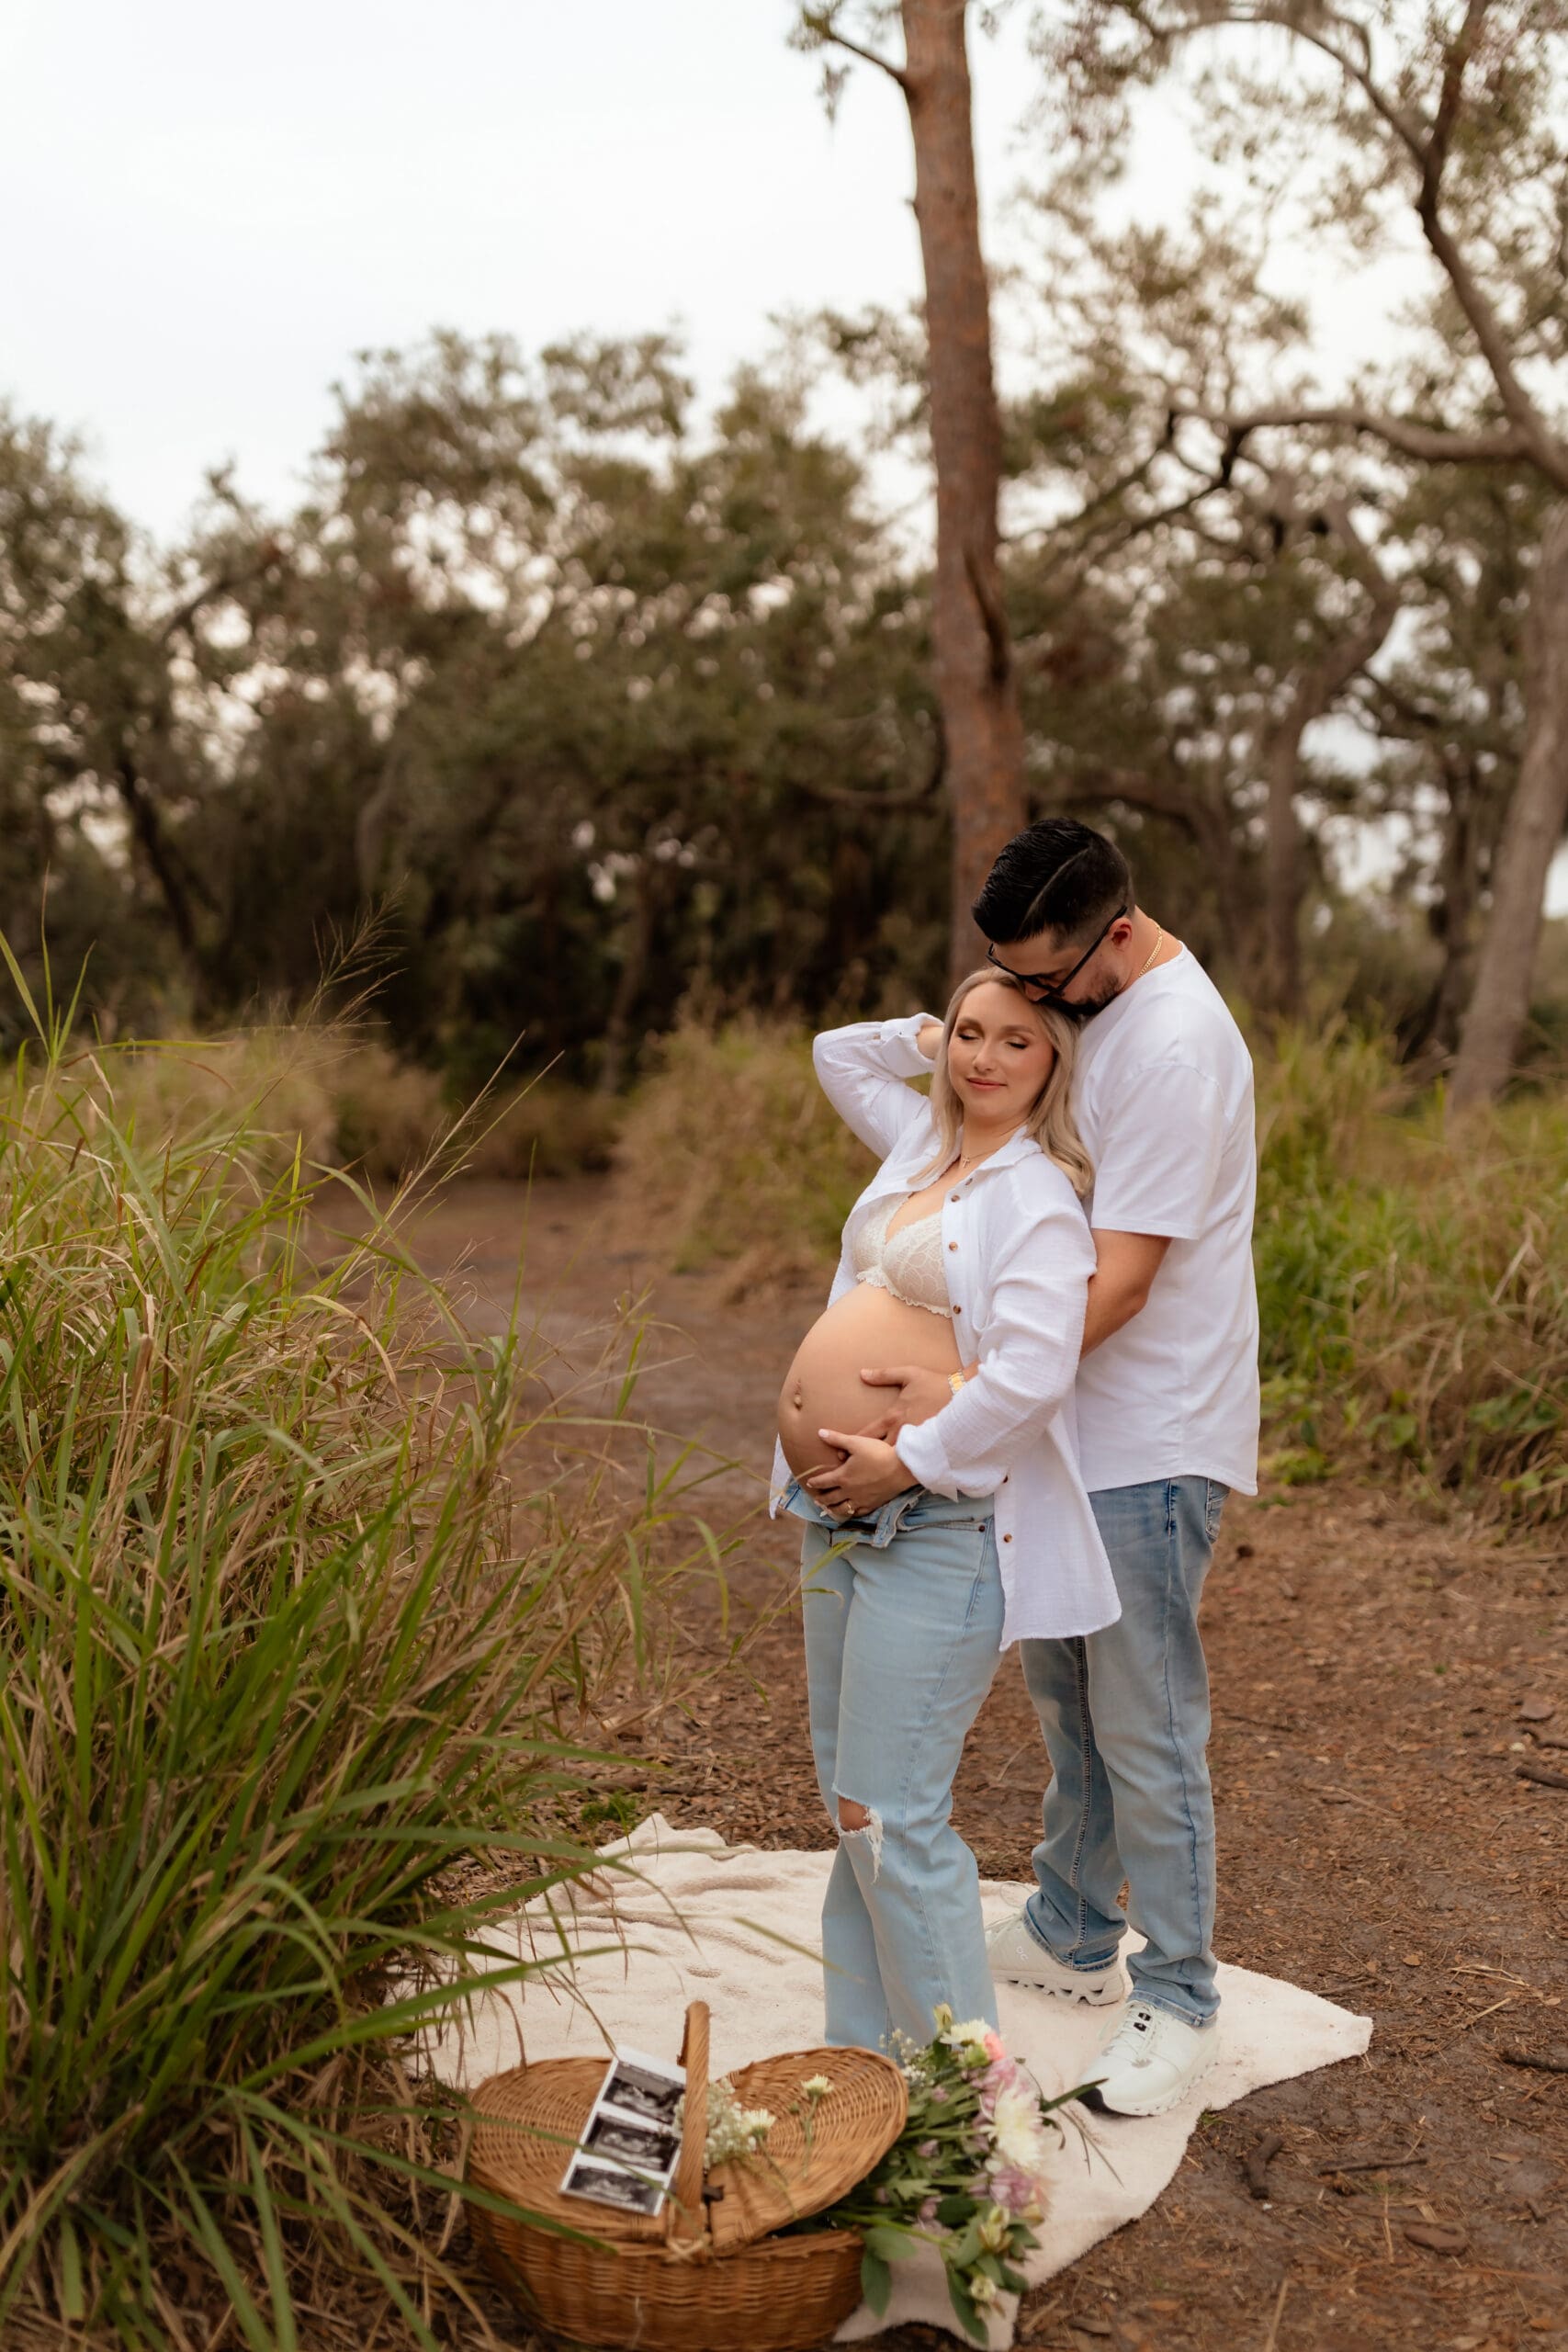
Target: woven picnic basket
(707,2274)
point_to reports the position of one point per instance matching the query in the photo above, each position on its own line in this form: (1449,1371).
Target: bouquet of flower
(967,2174)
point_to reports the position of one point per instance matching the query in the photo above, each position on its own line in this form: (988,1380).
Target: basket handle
(686,2216)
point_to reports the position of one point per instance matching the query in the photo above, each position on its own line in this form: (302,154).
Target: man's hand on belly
(921,1395)
(870,1474)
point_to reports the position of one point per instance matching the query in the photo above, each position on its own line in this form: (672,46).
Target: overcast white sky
(209,209)
(222,205)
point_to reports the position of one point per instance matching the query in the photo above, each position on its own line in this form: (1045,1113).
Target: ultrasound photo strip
(610,2131)
(644,2087)
(631,2131)
(608,2186)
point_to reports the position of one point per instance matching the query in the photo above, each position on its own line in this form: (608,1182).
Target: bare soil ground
(1381,1672)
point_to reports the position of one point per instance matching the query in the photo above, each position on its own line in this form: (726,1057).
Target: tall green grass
(1413,1283)
(305,1597)
(1413,1279)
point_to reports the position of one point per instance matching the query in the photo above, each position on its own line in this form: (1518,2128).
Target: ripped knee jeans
(903,1618)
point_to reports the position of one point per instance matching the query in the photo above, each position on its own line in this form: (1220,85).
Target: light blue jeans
(1125,1716)
(903,1614)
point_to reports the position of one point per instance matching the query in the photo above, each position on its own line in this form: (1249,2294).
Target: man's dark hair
(1055,875)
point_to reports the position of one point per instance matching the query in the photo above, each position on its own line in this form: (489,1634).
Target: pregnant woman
(923,1559)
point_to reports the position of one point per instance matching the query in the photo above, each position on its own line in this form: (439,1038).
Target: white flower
(976,2030)
(817,2086)
(982,2287)
(1016,2131)
(734,2131)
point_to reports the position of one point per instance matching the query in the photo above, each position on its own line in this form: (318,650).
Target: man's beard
(1087,1007)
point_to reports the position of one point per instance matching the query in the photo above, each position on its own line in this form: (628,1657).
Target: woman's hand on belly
(870,1474)
(824,1389)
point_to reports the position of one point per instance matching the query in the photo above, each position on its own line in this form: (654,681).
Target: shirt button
(953,1245)
(952,1196)
(1007,1539)
(958,1310)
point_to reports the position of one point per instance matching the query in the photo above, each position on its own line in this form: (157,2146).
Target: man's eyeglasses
(1042,992)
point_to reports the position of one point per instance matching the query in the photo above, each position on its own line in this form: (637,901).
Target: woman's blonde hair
(1050,1120)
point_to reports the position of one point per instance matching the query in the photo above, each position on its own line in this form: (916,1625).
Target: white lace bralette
(909,1263)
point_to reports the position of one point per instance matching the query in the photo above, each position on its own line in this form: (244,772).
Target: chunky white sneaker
(1017,1957)
(1151,2062)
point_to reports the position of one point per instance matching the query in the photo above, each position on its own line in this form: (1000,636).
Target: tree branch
(1344,42)
(1288,19)
(1384,591)
(1432,444)
(991,615)
(235,576)
(906,796)
(819,21)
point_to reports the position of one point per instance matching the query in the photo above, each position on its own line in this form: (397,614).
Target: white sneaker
(1017,1957)
(1151,2062)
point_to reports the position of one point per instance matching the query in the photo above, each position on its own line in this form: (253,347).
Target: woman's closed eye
(1020,1042)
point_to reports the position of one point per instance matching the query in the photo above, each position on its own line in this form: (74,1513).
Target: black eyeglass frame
(1041,991)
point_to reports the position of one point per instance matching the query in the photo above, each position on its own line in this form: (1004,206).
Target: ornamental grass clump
(289,1629)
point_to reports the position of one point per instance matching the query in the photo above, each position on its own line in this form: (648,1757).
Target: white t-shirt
(1163,1094)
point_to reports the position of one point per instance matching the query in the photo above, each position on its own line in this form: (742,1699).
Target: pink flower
(1001,2076)
(1017,2191)
(996,2049)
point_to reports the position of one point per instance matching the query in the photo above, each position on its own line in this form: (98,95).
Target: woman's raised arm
(864,1070)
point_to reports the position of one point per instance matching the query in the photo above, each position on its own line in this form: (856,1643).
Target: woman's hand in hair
(870,1474)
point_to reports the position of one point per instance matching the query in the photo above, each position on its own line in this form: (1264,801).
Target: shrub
(730,1151)
(388,1115)
(545,1130)
(268,1091)
(283,1643)
(1413,1283)
(345,1100)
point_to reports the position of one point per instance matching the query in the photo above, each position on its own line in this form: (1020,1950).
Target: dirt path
(1370,1666)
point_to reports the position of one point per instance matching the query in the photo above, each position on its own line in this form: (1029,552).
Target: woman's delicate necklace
(1159,943)
(973,1159)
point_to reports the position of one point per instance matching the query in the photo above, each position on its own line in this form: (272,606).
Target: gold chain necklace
(973,1159)
(1159,943)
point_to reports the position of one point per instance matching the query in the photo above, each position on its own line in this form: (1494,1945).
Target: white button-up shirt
(1017,1256)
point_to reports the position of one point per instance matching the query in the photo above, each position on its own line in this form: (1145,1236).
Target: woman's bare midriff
(867,1328)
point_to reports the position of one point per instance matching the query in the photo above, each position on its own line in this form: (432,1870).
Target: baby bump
(823,1389)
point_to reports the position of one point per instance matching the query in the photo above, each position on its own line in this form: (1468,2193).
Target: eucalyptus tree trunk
(1499,1005)
(975,683)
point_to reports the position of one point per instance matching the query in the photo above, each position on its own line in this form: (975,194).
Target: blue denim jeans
(1125,1716)
(903,1614)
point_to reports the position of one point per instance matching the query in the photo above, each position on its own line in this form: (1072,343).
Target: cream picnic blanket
(678,1915)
